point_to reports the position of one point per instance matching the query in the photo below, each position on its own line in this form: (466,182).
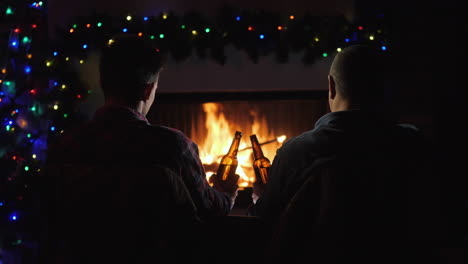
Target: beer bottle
(261,163)
(228,164)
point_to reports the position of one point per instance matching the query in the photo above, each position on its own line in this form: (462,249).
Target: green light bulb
(9,11)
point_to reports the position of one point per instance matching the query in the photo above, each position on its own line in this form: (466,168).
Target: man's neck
(136,107)
(343,105)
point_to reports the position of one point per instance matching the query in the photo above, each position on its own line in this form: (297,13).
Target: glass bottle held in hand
(261,163)
(228,164)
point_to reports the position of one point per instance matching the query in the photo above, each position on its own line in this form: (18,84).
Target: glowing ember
(218,138)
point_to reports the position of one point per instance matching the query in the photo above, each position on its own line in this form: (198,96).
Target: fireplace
(211,119)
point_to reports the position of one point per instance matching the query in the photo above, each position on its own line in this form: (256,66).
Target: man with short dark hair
(168,181)
(129,71)
(355,184)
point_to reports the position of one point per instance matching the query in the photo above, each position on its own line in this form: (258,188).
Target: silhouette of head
(356,79)
(129,70)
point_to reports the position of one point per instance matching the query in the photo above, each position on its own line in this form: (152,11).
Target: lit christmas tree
(24,125)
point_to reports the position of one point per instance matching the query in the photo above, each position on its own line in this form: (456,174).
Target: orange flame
(219,137)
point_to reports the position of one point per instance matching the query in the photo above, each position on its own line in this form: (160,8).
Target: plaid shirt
(118,134)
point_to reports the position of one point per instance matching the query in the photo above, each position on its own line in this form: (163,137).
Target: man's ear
(148,89)
(331,88)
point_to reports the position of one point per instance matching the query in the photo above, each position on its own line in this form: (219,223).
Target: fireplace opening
(211,120)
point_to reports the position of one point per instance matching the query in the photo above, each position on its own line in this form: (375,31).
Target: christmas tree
(24,125)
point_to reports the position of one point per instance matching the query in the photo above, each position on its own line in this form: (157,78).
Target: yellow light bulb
(164,16)
(48,63)
(194,32)
(81,61)
(129,18)
(371,37)
(64,86)
(34,156)
(67,58)
(338,49)
(55,107)
(317,39)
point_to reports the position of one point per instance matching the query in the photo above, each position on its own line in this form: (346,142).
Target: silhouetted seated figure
(358,188)
(120,187)
(119,213)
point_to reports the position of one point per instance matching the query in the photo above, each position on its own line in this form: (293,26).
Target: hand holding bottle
(258,189)
(228,186)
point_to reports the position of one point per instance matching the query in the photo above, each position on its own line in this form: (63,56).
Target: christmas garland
(257,32)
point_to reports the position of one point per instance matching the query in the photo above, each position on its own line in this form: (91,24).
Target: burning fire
(218,139)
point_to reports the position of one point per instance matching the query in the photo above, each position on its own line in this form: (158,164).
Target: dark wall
(427,68)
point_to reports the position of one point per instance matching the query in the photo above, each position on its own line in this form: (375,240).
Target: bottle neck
(235,145)
(257,150)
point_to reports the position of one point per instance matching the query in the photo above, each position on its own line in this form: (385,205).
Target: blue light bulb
(262,36)
(27,69)
(55,53)
(384,48)
(238,18)
(145,18)
(52,128)
(124,30)
(346,40)
(85,46)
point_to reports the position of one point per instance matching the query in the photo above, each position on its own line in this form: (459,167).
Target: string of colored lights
(23,120)
(181,35)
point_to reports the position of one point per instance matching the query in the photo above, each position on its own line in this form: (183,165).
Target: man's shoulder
(168,133)
(309,141)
